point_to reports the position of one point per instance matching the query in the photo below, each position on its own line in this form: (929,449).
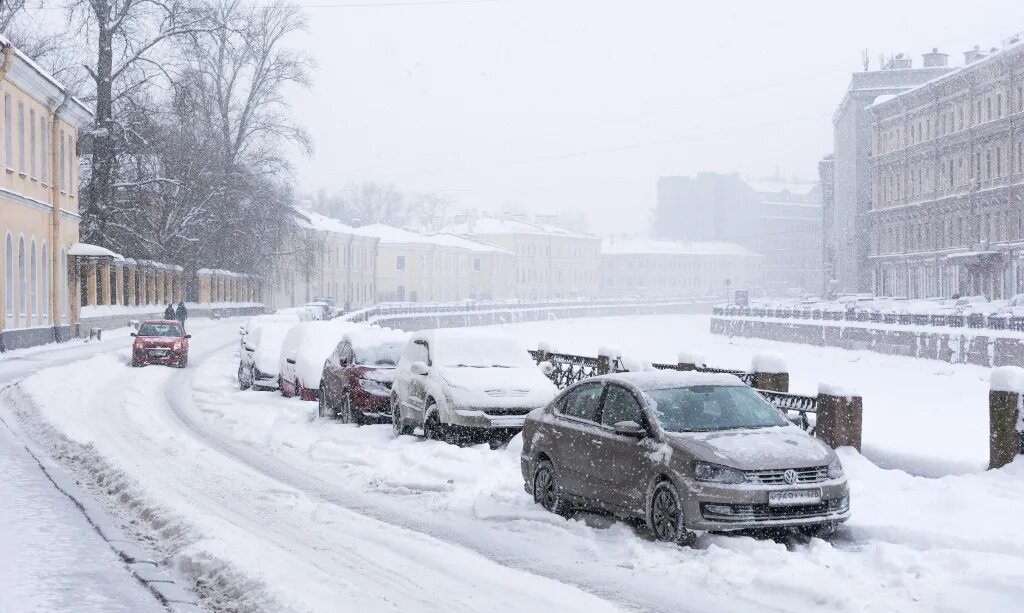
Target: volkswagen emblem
(789,476)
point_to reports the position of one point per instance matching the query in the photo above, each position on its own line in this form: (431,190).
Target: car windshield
(379,355)
(480,353)
(708,408)
(150,329)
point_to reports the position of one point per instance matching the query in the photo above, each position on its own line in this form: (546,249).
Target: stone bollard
(840,417)
(543,351)
(1006,429)
(606,357)
(689,360)
(770,372)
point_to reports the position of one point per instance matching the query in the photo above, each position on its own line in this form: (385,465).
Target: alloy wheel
(665,517)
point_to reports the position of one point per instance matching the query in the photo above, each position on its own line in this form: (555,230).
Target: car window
(584,402)
(620,405)
(709,408)
(417,351)
(159,330)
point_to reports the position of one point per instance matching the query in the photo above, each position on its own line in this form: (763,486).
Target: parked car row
(682,452)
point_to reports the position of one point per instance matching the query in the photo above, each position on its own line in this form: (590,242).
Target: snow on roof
(777,186)
(667,379)
(881,100)
(491,225)
(637,246)
(93,251)
(363,338)
(316,221)
(83,112)
(400,236)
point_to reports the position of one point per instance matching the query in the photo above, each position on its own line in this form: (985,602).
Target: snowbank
(768,362)
(1007,379)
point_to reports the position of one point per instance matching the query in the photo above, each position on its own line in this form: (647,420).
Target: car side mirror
(241,331)
(290,360)
(188,336)
(419,368)
(249,347)
(547,368)
(630,429)
(132,334)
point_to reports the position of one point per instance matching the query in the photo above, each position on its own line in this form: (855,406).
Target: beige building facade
(948,182)
(549,262)
(39,211)
(642,268)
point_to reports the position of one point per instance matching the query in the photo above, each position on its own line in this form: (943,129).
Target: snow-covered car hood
(267,361)
(383,375)
(755,449)
(497,387)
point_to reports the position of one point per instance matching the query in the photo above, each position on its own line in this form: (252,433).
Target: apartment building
(38,198)
(947,172)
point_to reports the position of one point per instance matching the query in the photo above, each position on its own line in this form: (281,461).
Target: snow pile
(1007,379)
(317,345)
(768,362)
(838,391)
(690,357)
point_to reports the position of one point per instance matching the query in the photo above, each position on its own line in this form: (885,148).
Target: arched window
(9,278)
(34,280)
(45,262)
(63,283)
(22,282)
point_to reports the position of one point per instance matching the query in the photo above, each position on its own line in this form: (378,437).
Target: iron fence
(977,321)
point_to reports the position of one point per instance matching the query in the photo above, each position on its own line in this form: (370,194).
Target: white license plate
(791,498)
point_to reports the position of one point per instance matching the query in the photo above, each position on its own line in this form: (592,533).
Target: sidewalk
(51,557)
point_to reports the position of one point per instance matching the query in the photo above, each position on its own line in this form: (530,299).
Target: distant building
(709,206)
(647,268)
(826,176)
(549,261)
(849,230)
(947,178)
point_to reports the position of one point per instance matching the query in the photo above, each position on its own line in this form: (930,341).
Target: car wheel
(346,413)
(433,429)
(665,516)
(821,531)
(397,421)
(545,489)
(183,362)
(136,363)
(244,378)
(324,406)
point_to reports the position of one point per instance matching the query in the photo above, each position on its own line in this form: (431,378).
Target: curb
(143,566)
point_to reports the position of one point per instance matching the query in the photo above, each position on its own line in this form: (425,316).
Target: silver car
(684,452)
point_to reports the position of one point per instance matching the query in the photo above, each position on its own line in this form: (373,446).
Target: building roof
(43,86)
(398,236)
(777,186)
(997,55)
(647,246)
(492,225)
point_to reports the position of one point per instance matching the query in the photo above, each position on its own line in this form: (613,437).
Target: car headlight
(177,345)
(716,473)
(374,387)
(835,469)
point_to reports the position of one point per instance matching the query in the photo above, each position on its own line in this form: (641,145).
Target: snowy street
(255,503)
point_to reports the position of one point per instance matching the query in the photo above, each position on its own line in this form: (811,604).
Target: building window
(63,173)
(21,137)
(22,281)
(71,165)
(33,281)
(8,133)
(64,283)
(44,146)
(400,262)
(477,266)
(9,278)
(32,143)
(999,105)
(45,263)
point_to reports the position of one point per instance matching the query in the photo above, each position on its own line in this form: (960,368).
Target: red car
(160,341)
(356,383)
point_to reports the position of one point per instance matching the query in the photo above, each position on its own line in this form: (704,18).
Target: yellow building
(414,267)
(549,262)
(38,198)
(326,260)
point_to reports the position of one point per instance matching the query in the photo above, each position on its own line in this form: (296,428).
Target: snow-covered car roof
(364,338)
(666,379)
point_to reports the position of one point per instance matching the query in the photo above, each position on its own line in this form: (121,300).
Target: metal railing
(976,321)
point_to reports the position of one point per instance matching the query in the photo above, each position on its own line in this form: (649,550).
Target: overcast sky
(581,104)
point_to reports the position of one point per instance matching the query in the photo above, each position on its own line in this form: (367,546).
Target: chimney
(935,59)
(973,55)
(898,62)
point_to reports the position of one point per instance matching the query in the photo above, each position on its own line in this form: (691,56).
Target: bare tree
(366,203)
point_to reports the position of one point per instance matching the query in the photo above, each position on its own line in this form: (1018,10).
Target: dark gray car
(683,452)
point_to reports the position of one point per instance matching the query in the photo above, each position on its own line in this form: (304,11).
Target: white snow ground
(244,490)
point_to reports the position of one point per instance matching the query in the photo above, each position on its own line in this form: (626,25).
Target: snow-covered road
(261,506)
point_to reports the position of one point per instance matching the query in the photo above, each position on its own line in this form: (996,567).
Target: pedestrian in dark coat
(182,313)
(169,311)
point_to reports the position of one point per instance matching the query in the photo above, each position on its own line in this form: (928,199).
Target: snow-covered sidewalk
(51,557)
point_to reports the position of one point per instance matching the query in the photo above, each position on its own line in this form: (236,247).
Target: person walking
(182,313)
(169,311)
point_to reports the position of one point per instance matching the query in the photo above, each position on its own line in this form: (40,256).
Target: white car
(258,366)
(306,347)
(462,386)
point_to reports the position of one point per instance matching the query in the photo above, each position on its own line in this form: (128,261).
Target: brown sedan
(684,452)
